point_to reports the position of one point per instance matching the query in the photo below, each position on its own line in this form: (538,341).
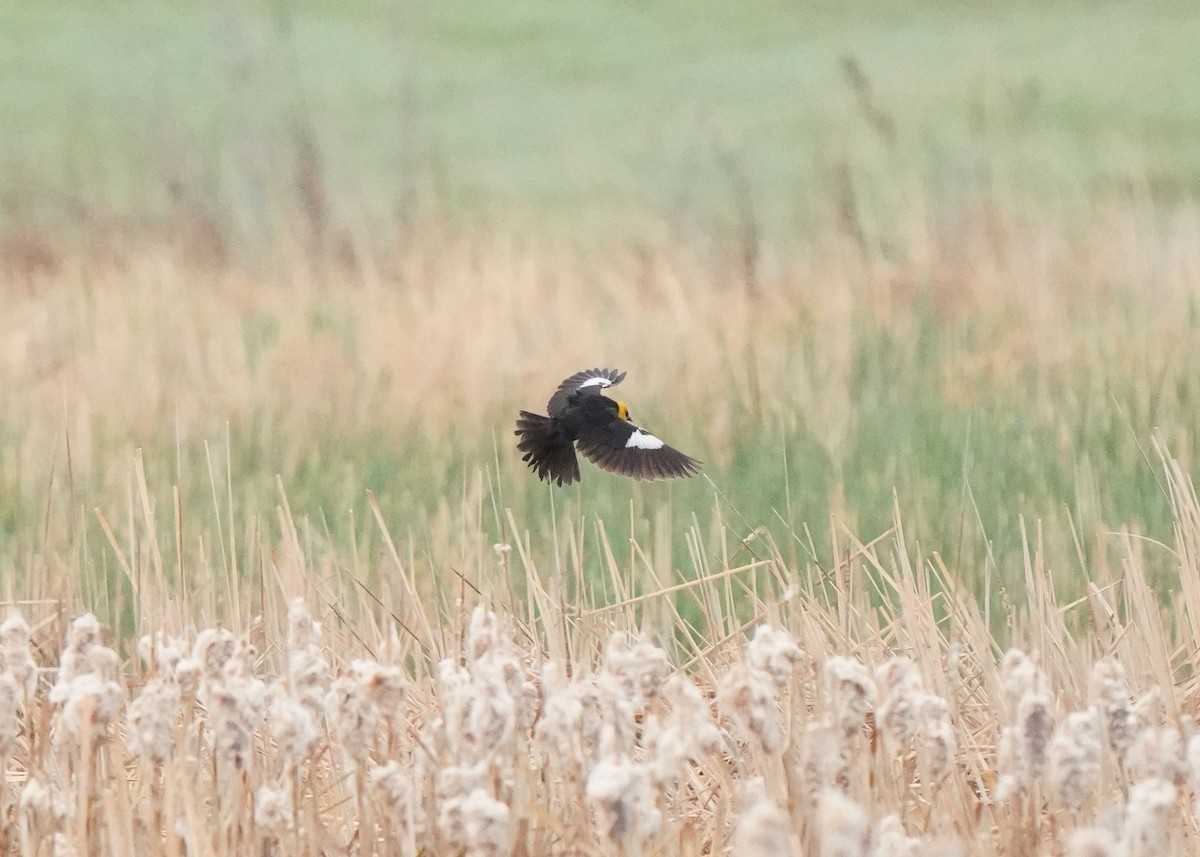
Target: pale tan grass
(452,331)
(446,748)
(451,334)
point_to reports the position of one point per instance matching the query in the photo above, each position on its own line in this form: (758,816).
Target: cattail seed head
(213,648)
(898,714)
(633,670)
(850,691)
(85,686)
(384,686)
(1146,816)
(936,741)
(686,732)
(292,726)
(747,696)
(891,840)
(763,829)
(623,801)
(355,718)
(398,792)
(1074,758)
(1092,842)
(824,760)
(273,808)
(843,829)
(15,656)
(1020,676)
(774,652)
(1109,692)
(1035,725)
(1157,752)
(11,703)
(151,720)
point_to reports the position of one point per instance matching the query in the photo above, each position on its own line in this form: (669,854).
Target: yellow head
(623,411)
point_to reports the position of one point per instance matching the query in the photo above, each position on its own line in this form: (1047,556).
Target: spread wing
(589,380)
(622,447)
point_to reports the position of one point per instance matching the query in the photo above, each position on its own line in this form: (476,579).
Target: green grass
(588,115)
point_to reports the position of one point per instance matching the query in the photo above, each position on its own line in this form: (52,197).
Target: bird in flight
(581,414)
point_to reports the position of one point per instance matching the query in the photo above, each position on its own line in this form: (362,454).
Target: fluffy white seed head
(1109,692)
(273,808)
(624,802)
(824,760)
(1145,833)
(843,829)
(15,656)
(188,672)
(1035,724)
(385,686)
(92,700)
(936,740)
(850,691)
(479,713)
(85,687)
(43,806)
(1092,842)
(162,653)
(684,733)
(891,840)
(580,724)
(485,824)
(901,692)
(558,731)
(1021,676)
(355,718)
(1157,752)
(307,669)
(1075,758)
(1193,761)
(151,720)
(484,633)
(84,635)
(292,726)
(633,669)
(11,704)
(233,717)
(1024,747)
(773,651)
(398,790)
(469,817)
(214,647)
(303,630)
(234,699)
(747,696)
(763,829)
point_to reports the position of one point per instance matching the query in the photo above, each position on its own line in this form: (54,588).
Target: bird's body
(580,414)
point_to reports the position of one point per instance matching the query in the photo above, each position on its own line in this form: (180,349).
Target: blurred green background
(589,116)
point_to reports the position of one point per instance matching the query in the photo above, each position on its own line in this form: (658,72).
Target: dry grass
(494,672)
(973,338)
(867,714)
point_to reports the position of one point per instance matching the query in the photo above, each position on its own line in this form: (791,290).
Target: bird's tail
(548,450)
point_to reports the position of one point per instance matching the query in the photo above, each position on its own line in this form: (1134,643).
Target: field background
(919,283)
(858,258)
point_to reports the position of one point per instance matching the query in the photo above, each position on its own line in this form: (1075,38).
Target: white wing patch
(598,381)
(643,440)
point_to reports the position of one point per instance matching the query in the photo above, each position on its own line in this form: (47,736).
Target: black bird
(580,413)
